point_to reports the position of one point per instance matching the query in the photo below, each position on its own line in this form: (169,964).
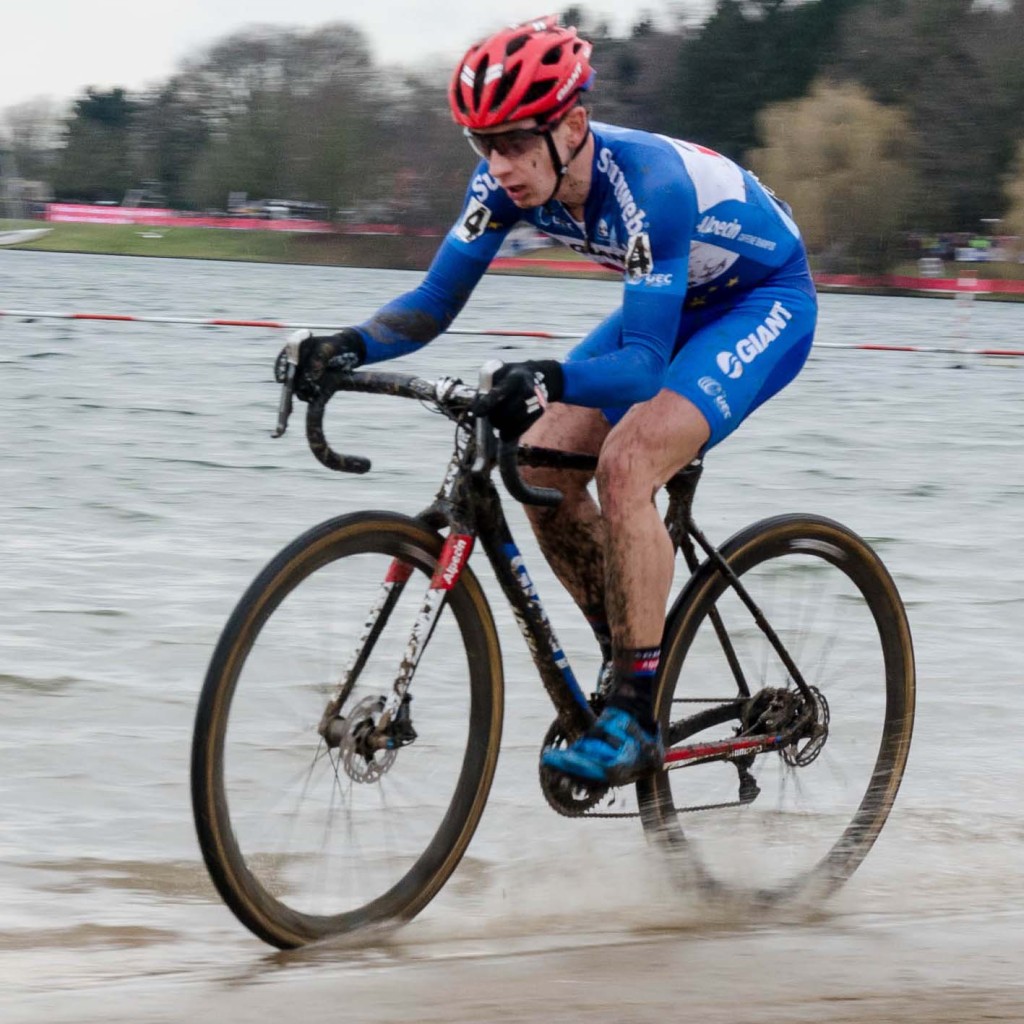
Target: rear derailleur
(803,723)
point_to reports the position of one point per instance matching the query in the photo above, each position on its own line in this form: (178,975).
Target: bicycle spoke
(819,595)
(326,832)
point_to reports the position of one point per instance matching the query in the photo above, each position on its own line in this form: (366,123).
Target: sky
(55,48)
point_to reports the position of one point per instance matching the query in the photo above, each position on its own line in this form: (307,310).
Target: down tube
(552,664)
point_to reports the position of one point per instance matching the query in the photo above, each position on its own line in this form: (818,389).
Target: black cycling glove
(315,352)
(519,393)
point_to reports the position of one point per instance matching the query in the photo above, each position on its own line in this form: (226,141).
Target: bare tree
(290,114)
(841,160)
(1013,221)
(33,136)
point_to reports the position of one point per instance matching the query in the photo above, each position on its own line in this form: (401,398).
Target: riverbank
(405,252)
(995,281)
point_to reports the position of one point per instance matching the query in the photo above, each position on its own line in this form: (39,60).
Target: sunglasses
(512,144)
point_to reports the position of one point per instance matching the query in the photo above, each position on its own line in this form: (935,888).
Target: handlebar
(320,447)
(508,464)
(451,395)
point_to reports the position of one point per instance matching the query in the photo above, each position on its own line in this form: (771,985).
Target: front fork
(394,728)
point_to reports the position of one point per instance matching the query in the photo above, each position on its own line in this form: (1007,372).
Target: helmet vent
(478,82)
(503,87)
(515,45)
(553,56)
(537,91)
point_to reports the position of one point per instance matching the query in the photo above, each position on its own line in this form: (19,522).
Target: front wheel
(310,825)
(800,818)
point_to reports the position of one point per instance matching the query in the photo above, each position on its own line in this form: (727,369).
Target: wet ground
(141,492)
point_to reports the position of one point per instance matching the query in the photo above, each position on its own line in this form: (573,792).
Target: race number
(474,223)
(639,262)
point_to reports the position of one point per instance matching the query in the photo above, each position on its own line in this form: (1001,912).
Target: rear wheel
(309,830)
(800,819)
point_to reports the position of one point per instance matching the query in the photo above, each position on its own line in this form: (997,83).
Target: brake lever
(284,373)
(485,446)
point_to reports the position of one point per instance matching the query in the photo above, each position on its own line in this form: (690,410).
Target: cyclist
(718,314)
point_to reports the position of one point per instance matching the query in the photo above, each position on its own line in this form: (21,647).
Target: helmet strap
(560,168)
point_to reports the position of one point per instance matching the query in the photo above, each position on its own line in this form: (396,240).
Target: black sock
(635,671)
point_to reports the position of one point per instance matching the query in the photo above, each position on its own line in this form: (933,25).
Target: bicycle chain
(677,810)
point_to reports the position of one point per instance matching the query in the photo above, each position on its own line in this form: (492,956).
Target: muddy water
(141,492)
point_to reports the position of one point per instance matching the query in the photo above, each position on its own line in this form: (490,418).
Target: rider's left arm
(408,322)
(654,292)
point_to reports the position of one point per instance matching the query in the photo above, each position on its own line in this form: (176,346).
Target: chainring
(570,797)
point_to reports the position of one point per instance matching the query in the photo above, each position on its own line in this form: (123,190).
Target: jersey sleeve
(654,290)
(408,322)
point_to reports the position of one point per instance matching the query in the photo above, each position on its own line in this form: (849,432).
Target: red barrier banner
(973,285)
(82,213)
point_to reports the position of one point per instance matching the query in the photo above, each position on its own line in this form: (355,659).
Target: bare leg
(571,536)
(652,442)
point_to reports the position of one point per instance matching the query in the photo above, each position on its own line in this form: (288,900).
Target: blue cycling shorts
(730,358)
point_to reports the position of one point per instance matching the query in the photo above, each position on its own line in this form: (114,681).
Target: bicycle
(326,799)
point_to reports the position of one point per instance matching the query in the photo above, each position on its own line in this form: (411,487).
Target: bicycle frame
(469,507)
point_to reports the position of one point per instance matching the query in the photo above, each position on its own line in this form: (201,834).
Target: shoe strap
(599,732)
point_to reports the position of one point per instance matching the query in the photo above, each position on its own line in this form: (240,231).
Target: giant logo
(729,364)
(750,347)
(573,79)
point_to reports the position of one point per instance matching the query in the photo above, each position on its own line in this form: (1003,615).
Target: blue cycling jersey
(688,228)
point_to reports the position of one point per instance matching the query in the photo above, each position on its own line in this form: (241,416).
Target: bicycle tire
(831,832)
(257,887)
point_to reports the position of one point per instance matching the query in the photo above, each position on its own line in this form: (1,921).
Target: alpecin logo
(454,556)
(750,347)
(713,226)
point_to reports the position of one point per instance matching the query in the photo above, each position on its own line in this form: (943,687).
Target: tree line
(871,117)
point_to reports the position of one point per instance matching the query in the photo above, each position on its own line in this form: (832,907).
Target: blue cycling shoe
(614,751)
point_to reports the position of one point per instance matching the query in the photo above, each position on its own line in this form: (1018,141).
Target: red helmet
(531,70)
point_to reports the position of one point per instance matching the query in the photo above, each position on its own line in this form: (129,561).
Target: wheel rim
(834,610)
(310,846)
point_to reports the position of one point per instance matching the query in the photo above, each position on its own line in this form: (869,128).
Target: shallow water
(141,492)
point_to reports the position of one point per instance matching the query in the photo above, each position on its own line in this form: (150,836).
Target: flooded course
(141,492)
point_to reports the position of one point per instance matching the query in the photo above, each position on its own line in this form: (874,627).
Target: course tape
(278,325)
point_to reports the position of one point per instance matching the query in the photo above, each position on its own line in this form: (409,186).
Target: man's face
(518,159)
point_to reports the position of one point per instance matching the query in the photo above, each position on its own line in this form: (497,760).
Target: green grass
(224,244)
(399,252)
(986,271)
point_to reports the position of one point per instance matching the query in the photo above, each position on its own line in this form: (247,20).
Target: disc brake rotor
(361,760)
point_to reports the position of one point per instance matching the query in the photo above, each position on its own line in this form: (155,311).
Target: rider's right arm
(410,321)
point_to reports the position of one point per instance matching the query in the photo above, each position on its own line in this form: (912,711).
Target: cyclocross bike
(349,725)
